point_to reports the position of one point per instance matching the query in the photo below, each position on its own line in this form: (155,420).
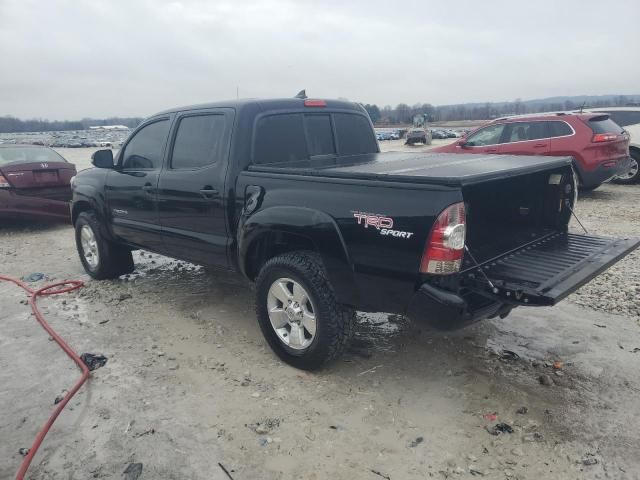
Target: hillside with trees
(403,113)
(387,115)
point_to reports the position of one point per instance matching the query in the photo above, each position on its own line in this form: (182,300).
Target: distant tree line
(404,114)
(12,125)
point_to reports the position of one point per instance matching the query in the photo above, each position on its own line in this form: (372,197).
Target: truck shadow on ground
(390,342)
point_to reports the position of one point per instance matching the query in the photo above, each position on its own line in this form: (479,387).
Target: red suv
(599,146)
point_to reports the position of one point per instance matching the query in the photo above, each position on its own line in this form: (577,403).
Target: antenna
(301,94)
(582,106)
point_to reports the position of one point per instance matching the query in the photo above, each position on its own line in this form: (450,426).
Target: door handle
(492,150)
(208,192)
(540,145)
(147,188)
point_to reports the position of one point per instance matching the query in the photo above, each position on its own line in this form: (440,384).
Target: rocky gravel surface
(612,210)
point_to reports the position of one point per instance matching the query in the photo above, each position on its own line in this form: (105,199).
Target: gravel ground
(191,385)
(611,210)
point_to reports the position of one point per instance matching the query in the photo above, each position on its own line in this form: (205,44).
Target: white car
(629,119)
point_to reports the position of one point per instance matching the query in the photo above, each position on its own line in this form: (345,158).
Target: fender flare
(88,196)
(317,227)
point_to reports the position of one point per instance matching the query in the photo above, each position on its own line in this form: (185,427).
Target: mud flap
(546,271)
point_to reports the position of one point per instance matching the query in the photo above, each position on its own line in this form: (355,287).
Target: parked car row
(387,135)
(68,139)
(442,134)
(382,135)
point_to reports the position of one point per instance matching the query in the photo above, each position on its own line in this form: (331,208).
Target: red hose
(68,285)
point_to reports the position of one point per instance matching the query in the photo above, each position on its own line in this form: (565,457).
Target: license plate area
(547,270)
(45,176)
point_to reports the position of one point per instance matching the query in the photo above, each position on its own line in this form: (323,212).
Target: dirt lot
(191,384)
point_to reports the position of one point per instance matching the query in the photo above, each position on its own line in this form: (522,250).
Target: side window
(200,141)
(559,129)
(487,136)
(319,135)
(144,150)
(517,132)
(355,134)
(525,131)
(280,138)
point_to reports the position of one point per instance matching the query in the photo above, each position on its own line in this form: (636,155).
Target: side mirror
(463,143)
(102,158)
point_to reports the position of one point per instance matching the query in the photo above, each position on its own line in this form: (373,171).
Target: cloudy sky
(71,59)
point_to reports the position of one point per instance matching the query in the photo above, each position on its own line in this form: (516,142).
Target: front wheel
(100,258)
(298,313)
(633,174)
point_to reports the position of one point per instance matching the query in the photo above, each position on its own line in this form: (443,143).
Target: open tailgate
(545,271)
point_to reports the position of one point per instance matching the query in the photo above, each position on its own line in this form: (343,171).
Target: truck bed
(432,168)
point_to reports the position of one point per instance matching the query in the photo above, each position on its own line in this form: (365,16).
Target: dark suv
(598,145)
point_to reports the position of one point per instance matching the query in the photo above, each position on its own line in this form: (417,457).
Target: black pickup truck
(296,196)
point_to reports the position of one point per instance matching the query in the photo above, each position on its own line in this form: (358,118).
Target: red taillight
(314,103)
(445,246)
(4,183)
(604,137)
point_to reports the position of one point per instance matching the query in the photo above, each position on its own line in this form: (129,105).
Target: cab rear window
(289,137)
(354,134)
(603,124)
(280,138)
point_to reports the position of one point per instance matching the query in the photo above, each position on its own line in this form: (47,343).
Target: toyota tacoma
(295,195)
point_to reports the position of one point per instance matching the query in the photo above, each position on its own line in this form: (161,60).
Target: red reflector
(314,103)
(609,164)
(445,246)
(4,183)
(604,137)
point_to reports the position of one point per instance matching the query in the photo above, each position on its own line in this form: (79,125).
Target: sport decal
(380,223)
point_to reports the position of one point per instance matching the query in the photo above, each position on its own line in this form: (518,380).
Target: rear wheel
(633,174)
(298,313)
(100,258)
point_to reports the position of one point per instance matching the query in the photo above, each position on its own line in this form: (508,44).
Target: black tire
(590,188)
(113,260)
(633,179)
(334,322)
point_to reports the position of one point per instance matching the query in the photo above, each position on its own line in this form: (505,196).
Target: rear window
(603,124)
(280,138)
(355,134)
(28,155)
(319,135)
(285,138)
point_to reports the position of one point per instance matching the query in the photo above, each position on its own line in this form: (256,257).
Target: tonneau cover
(436,168)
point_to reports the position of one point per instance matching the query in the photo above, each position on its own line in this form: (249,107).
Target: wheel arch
(279,230)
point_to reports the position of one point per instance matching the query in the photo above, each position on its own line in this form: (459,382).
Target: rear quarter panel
(384,267)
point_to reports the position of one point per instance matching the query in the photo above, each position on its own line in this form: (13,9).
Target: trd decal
(381,223)
(375,221)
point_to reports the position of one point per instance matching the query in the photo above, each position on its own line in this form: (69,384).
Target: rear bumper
(447,311)
(603,172)
(20,206)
